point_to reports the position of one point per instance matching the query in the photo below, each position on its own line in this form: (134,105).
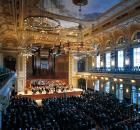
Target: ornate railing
(125,70)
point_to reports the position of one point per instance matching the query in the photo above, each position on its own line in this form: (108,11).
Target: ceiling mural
(91,11)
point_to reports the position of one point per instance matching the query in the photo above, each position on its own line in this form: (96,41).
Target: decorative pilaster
(1,59)
(1,56)
(70,69)
(75,82)
(86,67)
(21,73)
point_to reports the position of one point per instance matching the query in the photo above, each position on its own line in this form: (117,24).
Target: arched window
(81,65)
(136,37)
(108,44)
(120,41)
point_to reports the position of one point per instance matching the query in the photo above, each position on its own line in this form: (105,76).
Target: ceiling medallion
(80,2)
(41,24)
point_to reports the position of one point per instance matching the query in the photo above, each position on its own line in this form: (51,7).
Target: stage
(38,96)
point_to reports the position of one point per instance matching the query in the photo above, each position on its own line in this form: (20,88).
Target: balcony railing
(5,74)
(125,70)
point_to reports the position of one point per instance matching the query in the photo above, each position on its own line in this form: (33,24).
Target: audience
(90,111)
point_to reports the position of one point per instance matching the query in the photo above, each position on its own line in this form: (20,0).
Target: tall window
(98,61)
(120,59)
(97,82)
(121,92)
(136,56)
(81,65)
(107,87)
(134,95)
(137,37)
(108,60)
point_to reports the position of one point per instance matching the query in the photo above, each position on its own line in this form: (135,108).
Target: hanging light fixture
(80,46)
(80,2)
(41,24)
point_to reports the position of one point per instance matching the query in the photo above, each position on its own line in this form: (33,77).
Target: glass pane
(120,58)
(121,92)
(134,95)
(108,60)
(97,85)
(136,56)
(107,87)
(98,61)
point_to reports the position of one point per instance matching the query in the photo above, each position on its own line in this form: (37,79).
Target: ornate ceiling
(94,18)
(91,11)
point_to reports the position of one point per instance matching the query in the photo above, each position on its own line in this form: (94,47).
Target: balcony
(125,70)
(5,75)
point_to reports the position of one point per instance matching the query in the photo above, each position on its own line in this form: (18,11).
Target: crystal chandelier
(80,46)
(41,24)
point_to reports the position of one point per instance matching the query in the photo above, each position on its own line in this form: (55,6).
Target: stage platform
(37,96)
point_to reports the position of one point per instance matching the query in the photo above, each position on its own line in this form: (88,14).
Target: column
(86,83)
(0,119)
(75,82)
(21,73)
(86,65)
(1,59)
(70,69)
(1,56)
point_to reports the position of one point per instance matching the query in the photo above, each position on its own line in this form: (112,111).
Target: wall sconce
(102,63)
(102,78)
(113,63)
(106,78)
(127,61)
(115,79)
(112,87)
(92,77)
(95,77)
(93,64)
(127,90)
(133,81)
(120,80)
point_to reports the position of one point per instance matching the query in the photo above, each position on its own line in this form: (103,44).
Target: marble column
(1,56)
(0,119)
(70,69)
(75,82)
(21,73)
(86,83)
(1,59)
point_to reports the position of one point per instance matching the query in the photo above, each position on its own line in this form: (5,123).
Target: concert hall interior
(69,64)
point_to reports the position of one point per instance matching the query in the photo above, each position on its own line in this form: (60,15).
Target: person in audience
(90,111)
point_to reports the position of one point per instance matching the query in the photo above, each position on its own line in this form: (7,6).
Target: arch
(82,83)
(136,36)
(81,65)
(108,43)
(120,40)
(10,63)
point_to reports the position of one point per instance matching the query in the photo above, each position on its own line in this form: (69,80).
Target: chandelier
(41,24)
(80,2)
(79,47)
